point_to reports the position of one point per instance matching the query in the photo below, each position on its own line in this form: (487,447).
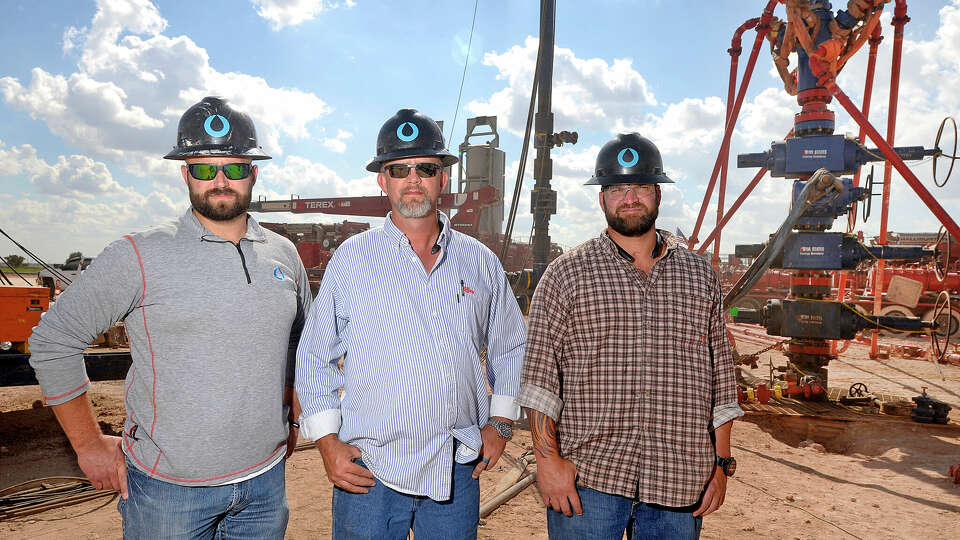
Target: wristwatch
(727,464)
(504,429)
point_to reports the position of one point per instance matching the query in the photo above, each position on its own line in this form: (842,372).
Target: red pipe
(734,51)
(875,38)
(899,20)
(830,83)
(736,206)
(762,30)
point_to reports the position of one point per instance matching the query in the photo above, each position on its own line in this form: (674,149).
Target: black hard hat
(214,128)
(410,134)
(629,159)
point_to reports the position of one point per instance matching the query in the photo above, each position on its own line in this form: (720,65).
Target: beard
(415,210)
(633,225)
(220,210)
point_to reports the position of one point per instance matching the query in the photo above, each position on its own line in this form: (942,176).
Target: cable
(466,62)
(782,501)
(12,269)
(36,496)
(39,261)
(524,152)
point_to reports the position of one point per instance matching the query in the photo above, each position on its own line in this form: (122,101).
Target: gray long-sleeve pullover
(213,329)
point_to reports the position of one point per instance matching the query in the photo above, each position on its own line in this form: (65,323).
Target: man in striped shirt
(628,376)
(408,307)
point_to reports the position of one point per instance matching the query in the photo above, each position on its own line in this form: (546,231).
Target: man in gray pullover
(213,305)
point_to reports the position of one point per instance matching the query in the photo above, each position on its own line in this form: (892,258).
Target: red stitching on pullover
(143,296)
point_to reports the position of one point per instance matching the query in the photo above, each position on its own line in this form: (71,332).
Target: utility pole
(543,199)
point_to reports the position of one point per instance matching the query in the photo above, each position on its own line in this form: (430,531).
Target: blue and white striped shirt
(410,340)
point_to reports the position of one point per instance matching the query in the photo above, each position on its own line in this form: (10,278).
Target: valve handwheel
(857,390)
(952,157)
(941,265)
(868,203)
(941,308)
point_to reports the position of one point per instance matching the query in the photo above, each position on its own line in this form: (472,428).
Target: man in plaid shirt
(628,375)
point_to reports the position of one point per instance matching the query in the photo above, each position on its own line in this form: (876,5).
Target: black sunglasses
(208,171)
(402,170)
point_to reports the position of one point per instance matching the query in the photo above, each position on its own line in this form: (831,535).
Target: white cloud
(133,83)
(79,199)
(283,13)
(73,37)
(588,94)
(337,144)
(73,176)
(691,123)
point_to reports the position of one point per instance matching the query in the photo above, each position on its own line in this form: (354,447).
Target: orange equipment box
(20,310)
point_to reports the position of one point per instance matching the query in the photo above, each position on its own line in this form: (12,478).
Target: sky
(91,92)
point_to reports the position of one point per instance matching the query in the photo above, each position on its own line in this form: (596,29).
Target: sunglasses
(207,171)
(402,170)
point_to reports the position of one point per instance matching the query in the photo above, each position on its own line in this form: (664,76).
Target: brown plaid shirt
(636,369)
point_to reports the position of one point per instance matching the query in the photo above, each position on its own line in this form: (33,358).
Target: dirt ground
(862,479)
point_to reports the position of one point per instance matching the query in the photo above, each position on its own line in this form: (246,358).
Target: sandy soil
(864,479)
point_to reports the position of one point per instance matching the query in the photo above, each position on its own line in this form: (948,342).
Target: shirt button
(434,314)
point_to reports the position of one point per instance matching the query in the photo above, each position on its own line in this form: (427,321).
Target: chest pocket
(473,310)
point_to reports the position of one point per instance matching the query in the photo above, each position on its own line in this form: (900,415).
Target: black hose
(769,253)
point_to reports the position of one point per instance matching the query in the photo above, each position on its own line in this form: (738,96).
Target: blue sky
(90,94)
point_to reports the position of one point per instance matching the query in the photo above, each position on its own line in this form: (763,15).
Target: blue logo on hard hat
(208,126)
(414,132)
(278,273)
(633,160)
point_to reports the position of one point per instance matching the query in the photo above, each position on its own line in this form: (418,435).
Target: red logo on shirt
(467,290)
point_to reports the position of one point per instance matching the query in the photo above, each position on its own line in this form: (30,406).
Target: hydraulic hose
(826,182)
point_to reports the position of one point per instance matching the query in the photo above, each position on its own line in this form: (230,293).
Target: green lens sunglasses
(207,171)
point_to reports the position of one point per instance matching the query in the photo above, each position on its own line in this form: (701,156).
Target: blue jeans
(252,509)
(607,517)
(386,514)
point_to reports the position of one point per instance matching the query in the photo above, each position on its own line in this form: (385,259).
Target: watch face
(731,467)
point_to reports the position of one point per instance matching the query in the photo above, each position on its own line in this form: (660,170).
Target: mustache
(221,191)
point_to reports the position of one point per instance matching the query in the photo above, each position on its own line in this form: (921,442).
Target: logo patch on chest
(278,273)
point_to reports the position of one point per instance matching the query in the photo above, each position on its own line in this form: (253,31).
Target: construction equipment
(20,310)
(477,210)
(816,159)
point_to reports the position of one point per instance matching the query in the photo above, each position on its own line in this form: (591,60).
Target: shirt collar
(669,242)
(189,219)
(398,238)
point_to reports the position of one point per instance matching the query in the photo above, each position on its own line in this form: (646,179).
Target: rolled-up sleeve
(318,377)
(547,326)
(725,407)
(506,335)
